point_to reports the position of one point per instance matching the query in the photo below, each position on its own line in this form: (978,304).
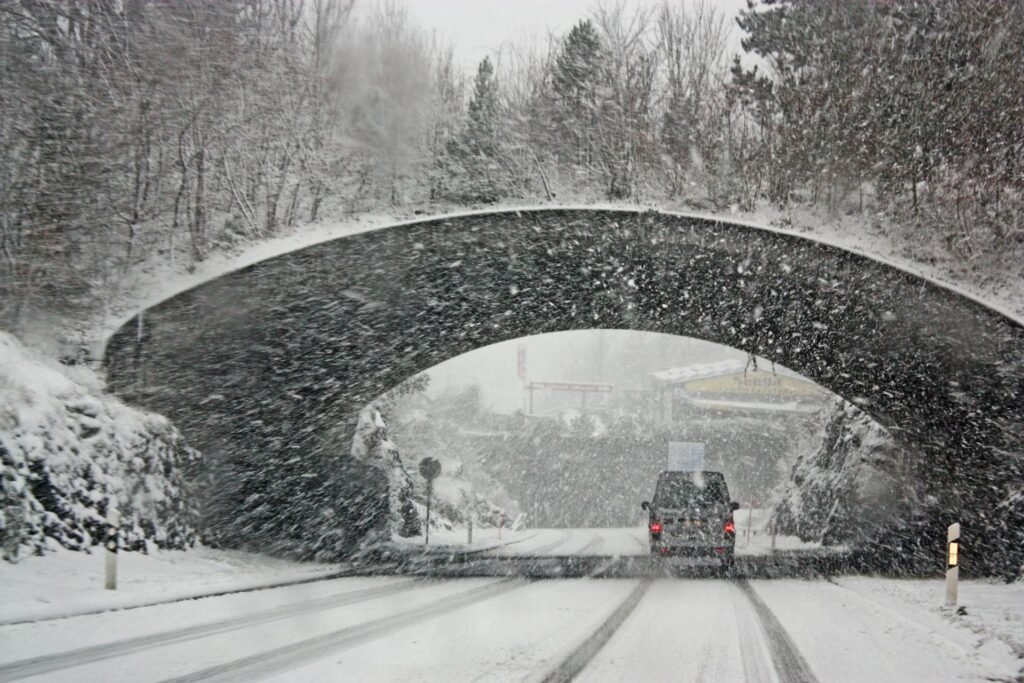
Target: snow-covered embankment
(67,450)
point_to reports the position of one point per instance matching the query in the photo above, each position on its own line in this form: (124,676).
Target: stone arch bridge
(265,368)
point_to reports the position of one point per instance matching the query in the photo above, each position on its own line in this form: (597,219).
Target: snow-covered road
(576,542)
(751,539)
(403,629)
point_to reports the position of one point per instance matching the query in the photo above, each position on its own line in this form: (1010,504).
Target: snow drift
(67,451)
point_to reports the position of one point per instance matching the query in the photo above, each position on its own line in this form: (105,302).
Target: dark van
(691,514)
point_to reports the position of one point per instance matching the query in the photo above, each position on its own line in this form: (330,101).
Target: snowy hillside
(66,449)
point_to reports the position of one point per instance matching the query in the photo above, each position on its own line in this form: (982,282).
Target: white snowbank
(873,629)
(991,609)
(67,583)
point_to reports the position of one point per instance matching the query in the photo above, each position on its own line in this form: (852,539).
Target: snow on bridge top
(157,284)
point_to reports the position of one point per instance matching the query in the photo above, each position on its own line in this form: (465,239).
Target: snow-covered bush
(848,488)
(67,450)
(456,496)
(372,446)
(455,501)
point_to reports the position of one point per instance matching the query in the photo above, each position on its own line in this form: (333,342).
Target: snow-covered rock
(67,450)
(849,487)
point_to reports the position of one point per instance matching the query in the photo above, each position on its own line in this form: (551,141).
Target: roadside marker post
(113,522)
(952,563)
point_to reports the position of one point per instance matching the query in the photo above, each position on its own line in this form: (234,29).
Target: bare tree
(692,42)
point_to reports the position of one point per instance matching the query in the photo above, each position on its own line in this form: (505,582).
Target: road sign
(573,386)
(583,388)
(429,469)
(685,456)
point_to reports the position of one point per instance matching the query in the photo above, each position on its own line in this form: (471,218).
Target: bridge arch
(265,359)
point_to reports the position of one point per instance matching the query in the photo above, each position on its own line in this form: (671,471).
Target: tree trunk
(199,214)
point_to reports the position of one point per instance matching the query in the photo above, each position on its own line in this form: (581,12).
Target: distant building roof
(735,385)
(688,373)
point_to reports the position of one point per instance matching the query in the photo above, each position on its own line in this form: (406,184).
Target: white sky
(623,358)
(477,28)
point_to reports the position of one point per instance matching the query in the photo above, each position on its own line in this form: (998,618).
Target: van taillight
(729,527)
(655,527)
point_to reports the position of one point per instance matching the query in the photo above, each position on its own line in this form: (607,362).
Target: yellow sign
(951,556)
(755,384)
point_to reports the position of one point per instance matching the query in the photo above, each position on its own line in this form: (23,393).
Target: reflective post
(113,521)
(952,563)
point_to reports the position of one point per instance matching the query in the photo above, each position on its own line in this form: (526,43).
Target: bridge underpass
(258,366)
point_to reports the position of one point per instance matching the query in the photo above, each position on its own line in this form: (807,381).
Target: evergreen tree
(575,85)
(482,130)
(480,175)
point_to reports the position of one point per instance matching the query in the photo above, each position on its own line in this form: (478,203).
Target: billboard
(685,456)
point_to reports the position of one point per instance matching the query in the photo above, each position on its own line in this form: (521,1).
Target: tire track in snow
(563,537)
(789,663)
(569,667)
(548,547)
(36,666)
(758,666)
(287,657)
(593,546)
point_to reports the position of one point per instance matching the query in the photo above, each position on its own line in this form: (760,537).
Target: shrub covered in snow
(67,450)
(456,496)
(455,501)
(372,446)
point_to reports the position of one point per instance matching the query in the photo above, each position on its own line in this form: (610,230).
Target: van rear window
(681,493)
